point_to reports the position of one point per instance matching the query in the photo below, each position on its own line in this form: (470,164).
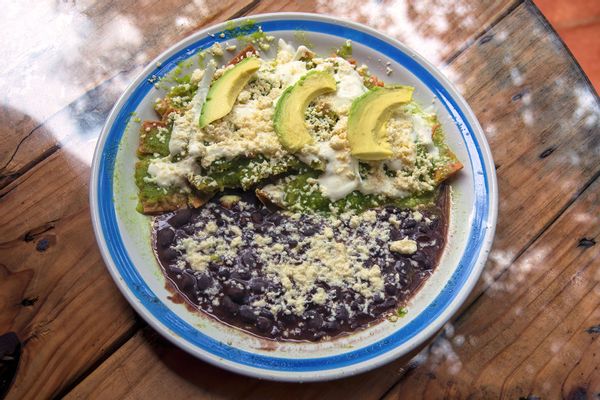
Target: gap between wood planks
(139,323)
(7,179)
(468,308)
(481,34)
(125,337)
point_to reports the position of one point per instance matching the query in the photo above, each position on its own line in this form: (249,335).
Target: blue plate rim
(150,307)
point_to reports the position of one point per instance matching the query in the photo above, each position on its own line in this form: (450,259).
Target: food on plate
(291,107)
(296,196)
(224,91)
(298,276)
(367,119)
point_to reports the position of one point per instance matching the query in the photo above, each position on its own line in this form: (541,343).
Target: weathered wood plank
(57,295)
(435,29)
(536,344)
(541,342)
(74,129)
(61,303)
(107,56)
(80,47)
(182,376)
(59,186)
(541,120)
(546,72)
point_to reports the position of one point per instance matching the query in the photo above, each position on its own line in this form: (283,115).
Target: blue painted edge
(170,320)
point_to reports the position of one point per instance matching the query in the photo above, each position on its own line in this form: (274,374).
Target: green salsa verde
(296,179)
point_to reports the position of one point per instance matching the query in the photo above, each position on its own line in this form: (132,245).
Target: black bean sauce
(237,290)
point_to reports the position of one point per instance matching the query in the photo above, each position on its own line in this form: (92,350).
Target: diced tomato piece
(374,81)
(446,171)
(242,54)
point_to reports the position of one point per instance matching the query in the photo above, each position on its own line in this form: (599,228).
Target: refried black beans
(287,276)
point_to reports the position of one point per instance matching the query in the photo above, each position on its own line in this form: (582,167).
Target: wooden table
(530,328)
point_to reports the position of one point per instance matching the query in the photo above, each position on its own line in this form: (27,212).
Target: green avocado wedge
(289,113)
(366,120)
(224,91)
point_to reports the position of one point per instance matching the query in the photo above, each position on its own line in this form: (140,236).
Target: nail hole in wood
(547,152)
(593,329)
(42,245)
(28,302)
(586,243)
(486,39)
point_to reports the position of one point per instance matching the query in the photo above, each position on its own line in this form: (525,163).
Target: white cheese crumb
(211,227)
(320,296)
(404,246)
(197,75)
(417,216)
(216,50)
(370,216)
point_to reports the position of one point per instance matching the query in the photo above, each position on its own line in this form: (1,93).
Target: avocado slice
(367,118)
(225,90)
(289,113)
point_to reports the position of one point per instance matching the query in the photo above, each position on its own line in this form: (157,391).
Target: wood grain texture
(46,181)
(436,29)
(541,120)
(503,101)
(175,374)
(61,303)
(117,44)
(74,129)
(56,294)
(84,51)
(539,342)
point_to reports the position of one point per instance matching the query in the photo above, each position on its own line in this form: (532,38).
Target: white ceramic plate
(124,235)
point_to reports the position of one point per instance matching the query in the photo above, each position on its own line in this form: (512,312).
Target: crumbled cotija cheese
(197,76)
(404,246)
(216,50)
(417,216)
(334,255)
(248,130)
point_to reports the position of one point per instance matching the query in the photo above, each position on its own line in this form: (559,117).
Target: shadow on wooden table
(47,246)
(194,376)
